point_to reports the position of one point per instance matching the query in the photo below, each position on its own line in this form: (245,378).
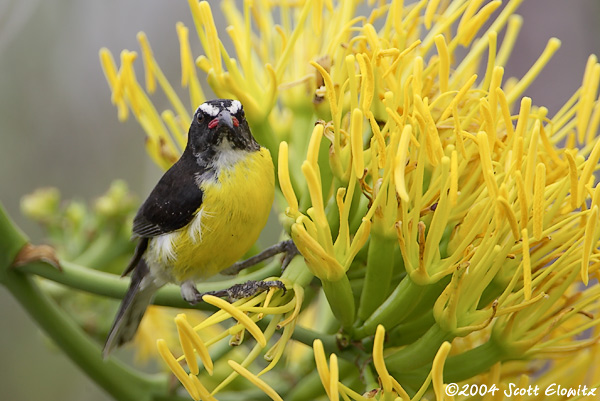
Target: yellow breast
(234,210)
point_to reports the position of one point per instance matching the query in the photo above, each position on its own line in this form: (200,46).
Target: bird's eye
(199,117)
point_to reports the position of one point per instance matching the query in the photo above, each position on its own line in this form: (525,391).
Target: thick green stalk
(110,285)
(117,379)
(380,266)
(419,353)
(341,300)
(394,309)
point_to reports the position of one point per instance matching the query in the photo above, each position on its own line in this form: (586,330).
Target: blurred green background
(58,127)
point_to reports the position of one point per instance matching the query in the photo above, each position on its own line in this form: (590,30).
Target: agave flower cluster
(451,223)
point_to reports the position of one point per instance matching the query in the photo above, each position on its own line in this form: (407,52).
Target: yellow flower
(446,217)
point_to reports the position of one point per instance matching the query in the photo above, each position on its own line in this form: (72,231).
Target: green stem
(110,285)
(470,363)
(103,250)
(419,353)
(458,368)
(394,309)
(118,380)
(380,266)
(341,300)
(308,336)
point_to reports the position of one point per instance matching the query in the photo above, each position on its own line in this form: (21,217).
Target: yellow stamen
(401,159)
(188,336)
(378,360)
(176,368)
(356,131)
(437,370)
(538,200)
(148,64)
(188,75)
(432,7)
(204,393)
(459,96)
(505,113)
(368,82)
(492,37)
(473,25)
(261,384)
(590,238)
(517,90)
(239,316)
(512,219)
(322,368)
(486,163)
(334,392)
(589,88)
(285,183)
(588,169)
(444,65)
(110,72)
(298,299)
(526,265)
(331,96)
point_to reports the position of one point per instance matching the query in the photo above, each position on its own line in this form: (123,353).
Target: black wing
(173,201)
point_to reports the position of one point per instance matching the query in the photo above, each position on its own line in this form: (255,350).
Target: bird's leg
(190,293)
(288,248)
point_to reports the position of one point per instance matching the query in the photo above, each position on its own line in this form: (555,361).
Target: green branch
(113,286)
(117,379)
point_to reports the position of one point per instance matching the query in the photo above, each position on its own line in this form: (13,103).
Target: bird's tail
(134,304)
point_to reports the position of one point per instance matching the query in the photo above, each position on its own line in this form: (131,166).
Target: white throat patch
(227,156)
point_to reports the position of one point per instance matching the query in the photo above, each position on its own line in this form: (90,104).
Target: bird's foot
(233,293)
(190,293)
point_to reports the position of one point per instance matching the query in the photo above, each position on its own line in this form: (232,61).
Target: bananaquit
(204,214)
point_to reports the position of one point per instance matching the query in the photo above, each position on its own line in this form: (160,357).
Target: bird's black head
(220,124)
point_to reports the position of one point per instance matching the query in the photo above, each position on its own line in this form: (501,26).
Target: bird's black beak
(225,118)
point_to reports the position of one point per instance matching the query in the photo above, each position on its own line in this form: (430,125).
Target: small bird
(204,214)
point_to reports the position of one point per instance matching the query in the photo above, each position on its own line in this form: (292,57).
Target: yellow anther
(437,370)
(589,239)
(538,200)
(401,160)
(517,90)
(285,183)
(512,219)
(148,58)
(239,316)
(444,65)
(261,384)
(176,368)
(523,199)
(322,368)
(526,264)
(378,360)
(188,336)
(356,139)
(368,82)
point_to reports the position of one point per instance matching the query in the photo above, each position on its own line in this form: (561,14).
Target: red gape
(215,121)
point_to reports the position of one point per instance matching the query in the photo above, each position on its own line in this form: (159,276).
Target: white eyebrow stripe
(209,109)
(235,107)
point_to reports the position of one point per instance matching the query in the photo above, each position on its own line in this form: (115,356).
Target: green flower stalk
(447,226)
